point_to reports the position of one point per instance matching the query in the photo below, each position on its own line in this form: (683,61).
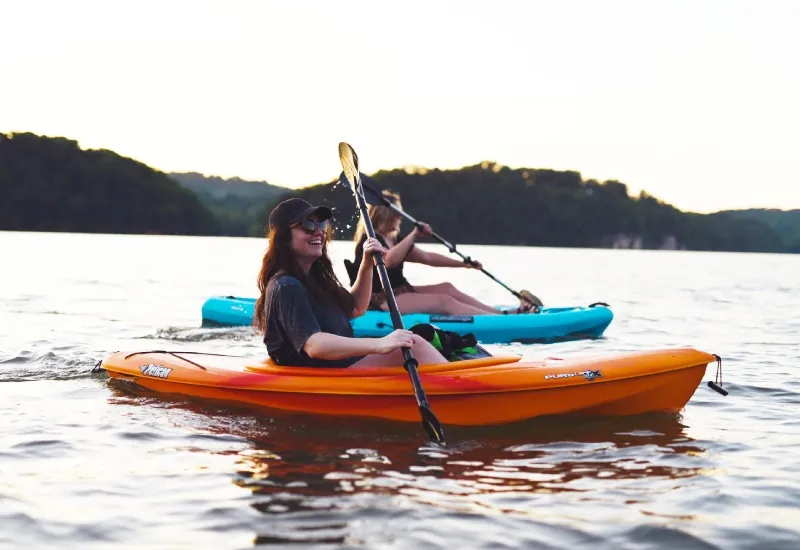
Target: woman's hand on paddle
(422,229)
(395,340)
(372,247)
(474,264)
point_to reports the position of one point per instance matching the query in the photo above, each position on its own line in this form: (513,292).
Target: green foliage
(785,222)
(51,184)
(492,204)
(236,203)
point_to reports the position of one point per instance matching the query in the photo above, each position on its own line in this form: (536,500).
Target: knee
(444,301)
(419,345)
(419,341)
(448,287)
(450,305)
(425,352)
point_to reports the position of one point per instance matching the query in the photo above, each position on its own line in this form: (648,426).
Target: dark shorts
(379,298)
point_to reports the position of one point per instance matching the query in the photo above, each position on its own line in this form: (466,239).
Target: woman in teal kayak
(442,298)
(304,311)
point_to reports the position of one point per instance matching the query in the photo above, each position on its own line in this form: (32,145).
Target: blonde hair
(383,218)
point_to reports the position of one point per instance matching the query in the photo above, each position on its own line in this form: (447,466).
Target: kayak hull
(552,324)
(488,391)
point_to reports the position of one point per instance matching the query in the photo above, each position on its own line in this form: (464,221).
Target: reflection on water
(545,457)
(311,477)
(85,464)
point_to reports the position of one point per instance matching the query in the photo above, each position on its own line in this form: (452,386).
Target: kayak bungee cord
(175,354)
(98,367)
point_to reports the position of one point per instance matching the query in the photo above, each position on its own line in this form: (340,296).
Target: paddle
(349,161)
(376,198)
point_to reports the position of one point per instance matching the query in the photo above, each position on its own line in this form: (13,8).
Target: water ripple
(89,463)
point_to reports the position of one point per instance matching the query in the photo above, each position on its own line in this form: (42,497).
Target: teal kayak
(552,324)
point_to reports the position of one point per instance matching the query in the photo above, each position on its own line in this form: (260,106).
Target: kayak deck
(486,391)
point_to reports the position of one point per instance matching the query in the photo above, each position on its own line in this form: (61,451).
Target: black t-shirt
(396,277)
(293,314)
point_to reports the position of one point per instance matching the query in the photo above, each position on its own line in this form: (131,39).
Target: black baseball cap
(295,211)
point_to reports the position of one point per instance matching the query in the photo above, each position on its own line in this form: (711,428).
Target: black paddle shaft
(429,421)
(397,320)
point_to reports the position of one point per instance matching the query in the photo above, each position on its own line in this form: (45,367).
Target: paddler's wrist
(372,344)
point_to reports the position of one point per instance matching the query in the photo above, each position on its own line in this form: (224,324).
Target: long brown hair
(382,217)
(321,281)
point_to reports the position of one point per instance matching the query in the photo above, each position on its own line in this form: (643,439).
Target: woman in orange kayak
(442,298)
(304,311)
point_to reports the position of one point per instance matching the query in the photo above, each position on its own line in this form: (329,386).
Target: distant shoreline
(49,184)
(432,245)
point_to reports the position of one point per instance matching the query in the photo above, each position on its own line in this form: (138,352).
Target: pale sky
(697,102)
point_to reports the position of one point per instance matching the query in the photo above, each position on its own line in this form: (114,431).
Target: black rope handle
(716,385)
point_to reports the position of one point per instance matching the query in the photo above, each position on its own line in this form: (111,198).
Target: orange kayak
(486,391)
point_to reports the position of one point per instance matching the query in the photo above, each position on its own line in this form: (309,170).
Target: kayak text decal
(157,371)
(452,319)
(588,374)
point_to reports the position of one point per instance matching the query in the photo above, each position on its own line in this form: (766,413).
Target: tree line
(492,204)
(51,184)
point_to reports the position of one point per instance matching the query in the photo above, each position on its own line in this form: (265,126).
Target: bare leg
(423,351)
(415,302)
(450,290)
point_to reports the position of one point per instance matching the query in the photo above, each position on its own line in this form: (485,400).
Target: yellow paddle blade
(349,161)
(528,298)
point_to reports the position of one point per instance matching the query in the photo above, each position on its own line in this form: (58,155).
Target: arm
(433,259)
(304,334)
(400,251)
(324,345)
(362,287)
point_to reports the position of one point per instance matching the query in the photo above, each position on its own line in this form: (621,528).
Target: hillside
(784,222)
(51,184)
(235,202)
(492,204)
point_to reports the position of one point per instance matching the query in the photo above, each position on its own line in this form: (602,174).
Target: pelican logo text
(588,374)
(157,371)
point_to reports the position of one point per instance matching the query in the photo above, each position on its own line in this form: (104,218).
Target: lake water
(85,465)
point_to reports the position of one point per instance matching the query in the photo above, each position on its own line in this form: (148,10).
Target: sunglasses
(310,225)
